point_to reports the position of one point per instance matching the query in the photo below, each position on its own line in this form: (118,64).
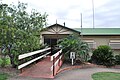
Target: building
(93,36)
(51,34)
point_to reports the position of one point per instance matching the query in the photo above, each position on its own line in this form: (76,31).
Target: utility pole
(81,27)
(81,20)
(93,13)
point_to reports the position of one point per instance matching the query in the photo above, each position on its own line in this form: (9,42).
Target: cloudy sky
(107,12)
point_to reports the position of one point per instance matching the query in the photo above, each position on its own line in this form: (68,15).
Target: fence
(57,62)
(56,59)
(22,56)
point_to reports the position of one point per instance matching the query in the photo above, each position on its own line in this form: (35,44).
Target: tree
(30,22)
(73,43)
(19,30)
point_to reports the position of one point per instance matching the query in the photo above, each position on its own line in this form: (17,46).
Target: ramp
(40,70)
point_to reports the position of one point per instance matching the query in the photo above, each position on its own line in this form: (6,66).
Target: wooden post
(53,66)
(21,71)
(59,61)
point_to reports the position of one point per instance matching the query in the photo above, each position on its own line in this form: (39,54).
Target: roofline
(64,27)
(100,34)
(97,28)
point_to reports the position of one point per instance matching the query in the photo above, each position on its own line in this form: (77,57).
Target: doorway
(50,42)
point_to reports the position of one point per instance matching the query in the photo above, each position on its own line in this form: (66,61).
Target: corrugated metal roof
(99,31)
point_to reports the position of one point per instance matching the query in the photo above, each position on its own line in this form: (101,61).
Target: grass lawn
(3,76)
(106,76)
(6,62)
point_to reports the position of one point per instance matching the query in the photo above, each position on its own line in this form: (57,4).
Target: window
(91,43)
(115,44)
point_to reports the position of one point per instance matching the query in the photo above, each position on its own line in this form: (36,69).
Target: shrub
(103,55)
(117,59)
(73,43)
(4,62)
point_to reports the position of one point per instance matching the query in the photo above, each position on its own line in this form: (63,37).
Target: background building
(93,36)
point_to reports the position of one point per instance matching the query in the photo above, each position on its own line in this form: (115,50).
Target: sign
(72,55)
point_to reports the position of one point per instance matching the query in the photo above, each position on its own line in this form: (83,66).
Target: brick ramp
(40,70)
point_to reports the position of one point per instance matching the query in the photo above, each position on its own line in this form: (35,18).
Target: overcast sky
(107,12)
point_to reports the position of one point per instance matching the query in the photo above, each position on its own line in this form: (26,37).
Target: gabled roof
(99,31)
(62,27)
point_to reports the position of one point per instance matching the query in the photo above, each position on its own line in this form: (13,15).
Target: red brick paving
(40,70)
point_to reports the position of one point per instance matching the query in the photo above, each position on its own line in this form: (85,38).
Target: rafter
(60,29)
(64,31)
(53,29)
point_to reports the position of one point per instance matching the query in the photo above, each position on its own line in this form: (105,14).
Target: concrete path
(82,74)
(75,74)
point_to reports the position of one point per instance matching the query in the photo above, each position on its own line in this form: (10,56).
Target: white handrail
(56,54)
(56,62)
(31,61)
(31,53)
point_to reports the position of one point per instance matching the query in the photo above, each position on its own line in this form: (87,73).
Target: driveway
(75,74)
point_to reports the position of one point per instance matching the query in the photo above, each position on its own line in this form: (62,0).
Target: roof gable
(58,29)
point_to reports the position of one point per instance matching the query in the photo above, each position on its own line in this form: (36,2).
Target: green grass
(7,61)
(106,76)
(4,76)
(0,61)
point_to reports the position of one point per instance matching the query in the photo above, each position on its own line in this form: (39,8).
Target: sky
(106,12)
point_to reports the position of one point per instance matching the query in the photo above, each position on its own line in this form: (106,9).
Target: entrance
(51,42)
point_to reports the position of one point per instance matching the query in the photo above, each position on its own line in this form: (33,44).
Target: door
(50,42)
